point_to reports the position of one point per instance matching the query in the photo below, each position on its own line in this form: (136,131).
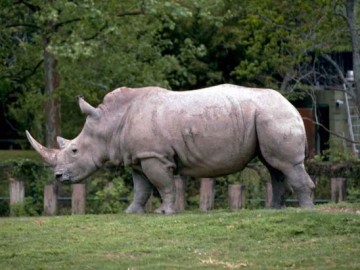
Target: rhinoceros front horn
(49,155)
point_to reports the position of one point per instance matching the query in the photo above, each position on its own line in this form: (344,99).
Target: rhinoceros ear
(87,109)
(62,142)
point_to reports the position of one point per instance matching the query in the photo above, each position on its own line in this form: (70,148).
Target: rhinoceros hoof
(135,209)
(278,206)
(165,210)
(307,205)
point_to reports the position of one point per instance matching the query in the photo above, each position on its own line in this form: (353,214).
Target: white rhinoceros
(201,133)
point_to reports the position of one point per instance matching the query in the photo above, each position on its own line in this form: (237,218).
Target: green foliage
(254,187)
(108,191)
(353,195)
(326,238)
(176,44)
(353,190)
(35,176)
(4,208)
(277,39)
(337,152)
(116,42)
(323,187)
(25,208)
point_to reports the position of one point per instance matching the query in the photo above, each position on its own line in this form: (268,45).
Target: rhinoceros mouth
(63,178)
(68,181)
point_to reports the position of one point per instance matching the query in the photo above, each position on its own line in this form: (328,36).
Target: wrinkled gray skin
(201,133)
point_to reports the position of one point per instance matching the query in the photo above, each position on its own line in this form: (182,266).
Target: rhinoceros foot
(307,204)
(135,209)
(167,210)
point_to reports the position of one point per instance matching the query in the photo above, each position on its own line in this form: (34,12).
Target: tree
(351,20)
(273,44)
(94,46)
(114,41)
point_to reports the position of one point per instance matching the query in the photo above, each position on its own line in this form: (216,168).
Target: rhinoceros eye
(73,149)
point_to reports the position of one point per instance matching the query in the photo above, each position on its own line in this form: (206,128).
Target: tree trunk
(355,43)
(52,105)
(285,82)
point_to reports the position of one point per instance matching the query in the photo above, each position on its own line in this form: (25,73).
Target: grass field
(9,155)
(325,238)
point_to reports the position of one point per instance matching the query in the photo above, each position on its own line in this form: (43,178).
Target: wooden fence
(236,195)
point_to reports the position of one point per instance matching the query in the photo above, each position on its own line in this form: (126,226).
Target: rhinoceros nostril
(58,176)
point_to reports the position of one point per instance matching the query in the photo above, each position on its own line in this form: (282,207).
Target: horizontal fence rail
(236,194)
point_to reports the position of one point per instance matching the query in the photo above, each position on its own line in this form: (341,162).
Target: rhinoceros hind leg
(162,177)
(292,178)
(280,188)
(142,192)
(282,145)
(302,184)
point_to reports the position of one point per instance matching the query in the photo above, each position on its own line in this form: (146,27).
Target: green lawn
(256,239)
(6,155)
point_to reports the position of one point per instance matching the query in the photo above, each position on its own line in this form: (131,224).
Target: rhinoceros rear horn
(49,155)
(87,109)
(62,142)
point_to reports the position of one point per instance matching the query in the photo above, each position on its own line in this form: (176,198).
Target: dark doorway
(323,136)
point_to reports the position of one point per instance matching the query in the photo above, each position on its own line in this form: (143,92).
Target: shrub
(108,191)
(25,208)
(35,175)
(254,180)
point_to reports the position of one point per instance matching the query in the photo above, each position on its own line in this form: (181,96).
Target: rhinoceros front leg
(142,192)
(280,188)
(162,177)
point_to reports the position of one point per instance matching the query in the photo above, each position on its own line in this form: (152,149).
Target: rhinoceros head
(78,158)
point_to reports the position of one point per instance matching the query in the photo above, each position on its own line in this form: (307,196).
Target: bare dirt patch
(331,209)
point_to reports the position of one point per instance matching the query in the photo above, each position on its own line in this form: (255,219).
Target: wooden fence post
(268,194)
(180,188)
(236,194)
(17,195)
(78,199)
(207,194)
(17,191)
(338,189)
(50,200)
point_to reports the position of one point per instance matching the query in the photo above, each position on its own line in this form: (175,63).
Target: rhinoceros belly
(218,149)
